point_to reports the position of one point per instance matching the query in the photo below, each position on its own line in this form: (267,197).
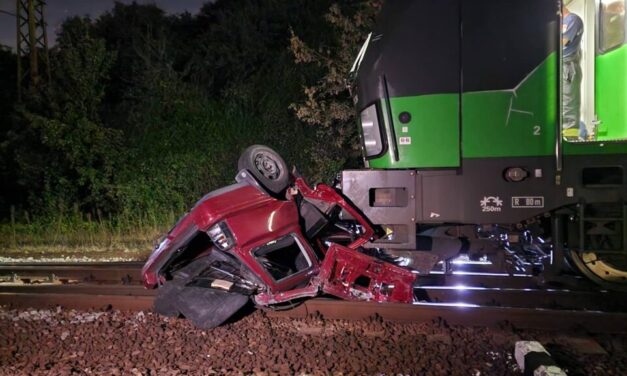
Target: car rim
(267,166)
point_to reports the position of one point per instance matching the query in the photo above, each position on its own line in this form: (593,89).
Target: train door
(594,84)
(611,71)
(586,10)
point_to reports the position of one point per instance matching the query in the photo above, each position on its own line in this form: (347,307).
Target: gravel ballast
(64,342)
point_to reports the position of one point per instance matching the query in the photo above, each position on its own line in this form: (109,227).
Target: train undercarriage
(516,216)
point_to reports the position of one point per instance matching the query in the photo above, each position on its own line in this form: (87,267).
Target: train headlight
(221,236)
(516,174)
(371,131)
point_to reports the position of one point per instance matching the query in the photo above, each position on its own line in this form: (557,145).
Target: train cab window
(612,24)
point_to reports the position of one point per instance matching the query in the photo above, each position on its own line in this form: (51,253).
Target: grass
(181,151)
(77,236)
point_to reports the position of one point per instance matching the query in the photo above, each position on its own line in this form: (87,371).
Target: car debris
(273,240)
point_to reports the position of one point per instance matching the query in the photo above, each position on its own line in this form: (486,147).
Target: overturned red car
(270,239)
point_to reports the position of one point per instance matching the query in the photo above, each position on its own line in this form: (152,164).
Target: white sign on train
(526,202)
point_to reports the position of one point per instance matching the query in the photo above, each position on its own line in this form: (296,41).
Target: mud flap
(205,307)
(208,308)
(165,300)
(351,275)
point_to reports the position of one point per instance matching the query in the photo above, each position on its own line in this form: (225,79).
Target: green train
(460,114)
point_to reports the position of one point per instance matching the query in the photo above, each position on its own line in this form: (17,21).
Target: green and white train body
(460,116)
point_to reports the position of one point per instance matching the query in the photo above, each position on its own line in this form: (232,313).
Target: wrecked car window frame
(301,247)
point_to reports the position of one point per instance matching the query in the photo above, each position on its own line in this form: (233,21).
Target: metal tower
(32,42)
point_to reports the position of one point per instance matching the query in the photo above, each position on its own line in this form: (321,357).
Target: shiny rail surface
(77,296)
(564,299)
(454,313)
(523,304)
(105,272)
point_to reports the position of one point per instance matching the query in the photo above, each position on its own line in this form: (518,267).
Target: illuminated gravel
(64,342)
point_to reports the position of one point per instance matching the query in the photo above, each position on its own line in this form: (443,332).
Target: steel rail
(503,280)
(100,272)
(80,296)
(77,301)
(130,272)
(524,298)
(469,300)
(127,297)
(82,289)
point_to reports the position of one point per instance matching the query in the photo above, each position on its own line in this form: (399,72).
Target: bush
(328,105)
(146,112)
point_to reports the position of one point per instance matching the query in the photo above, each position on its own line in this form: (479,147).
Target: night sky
(58,10)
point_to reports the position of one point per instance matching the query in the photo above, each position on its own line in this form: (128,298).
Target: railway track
(523,304)
(106,272)
(112,298)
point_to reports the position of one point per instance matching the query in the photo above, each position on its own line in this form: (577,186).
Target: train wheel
(608,271)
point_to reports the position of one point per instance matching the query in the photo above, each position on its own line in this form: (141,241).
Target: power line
(8,13)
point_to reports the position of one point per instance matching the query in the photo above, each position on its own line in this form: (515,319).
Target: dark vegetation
(147,111)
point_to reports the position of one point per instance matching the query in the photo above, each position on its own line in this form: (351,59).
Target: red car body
(256,219)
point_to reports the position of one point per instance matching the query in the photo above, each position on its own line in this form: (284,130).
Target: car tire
(267,166)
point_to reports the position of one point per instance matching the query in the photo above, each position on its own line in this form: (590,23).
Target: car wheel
(267,167)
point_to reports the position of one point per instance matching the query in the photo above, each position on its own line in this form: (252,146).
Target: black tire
(267,167)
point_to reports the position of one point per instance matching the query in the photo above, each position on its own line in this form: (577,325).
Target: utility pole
(32,42)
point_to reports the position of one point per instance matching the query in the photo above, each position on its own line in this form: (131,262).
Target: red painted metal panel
(352,275)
